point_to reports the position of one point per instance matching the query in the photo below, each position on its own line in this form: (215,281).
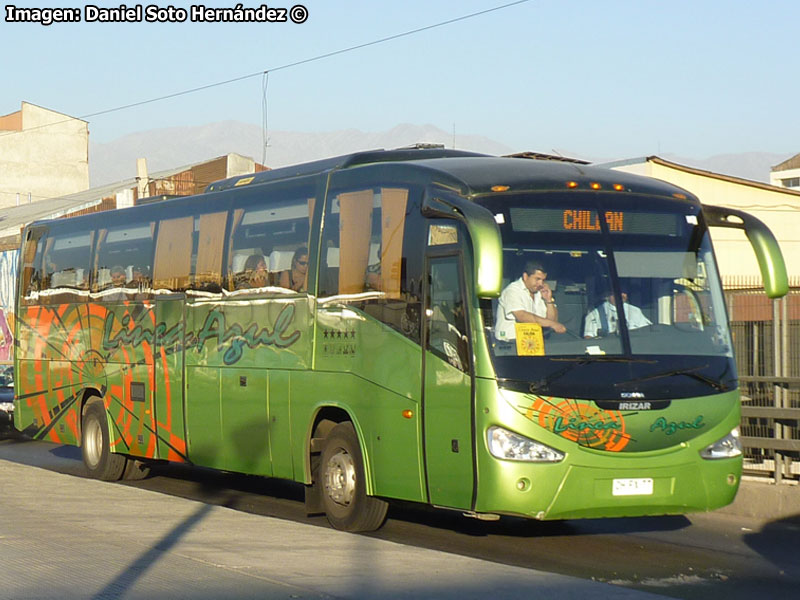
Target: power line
(286,66)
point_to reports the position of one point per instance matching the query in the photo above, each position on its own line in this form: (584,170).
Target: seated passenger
(118,276)
(254,274)
(295,277)
(603,319)
(141,277)
(527,300)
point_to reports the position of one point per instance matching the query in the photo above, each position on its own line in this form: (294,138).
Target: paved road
(700,556)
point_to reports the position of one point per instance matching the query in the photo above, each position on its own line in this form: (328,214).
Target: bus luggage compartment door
(168,359)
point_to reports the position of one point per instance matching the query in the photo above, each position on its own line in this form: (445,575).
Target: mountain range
(174,147)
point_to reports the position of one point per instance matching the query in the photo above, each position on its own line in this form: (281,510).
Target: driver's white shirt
(516,297)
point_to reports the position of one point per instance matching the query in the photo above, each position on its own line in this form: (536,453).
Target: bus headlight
(727,447)
(512,446)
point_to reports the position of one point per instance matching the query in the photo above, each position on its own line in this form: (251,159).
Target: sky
(612,78)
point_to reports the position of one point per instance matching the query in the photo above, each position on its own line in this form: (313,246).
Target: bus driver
(527,300)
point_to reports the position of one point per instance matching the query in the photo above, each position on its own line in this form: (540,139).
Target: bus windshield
(573,260)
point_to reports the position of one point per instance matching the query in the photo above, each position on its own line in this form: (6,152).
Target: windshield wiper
(543,383)
(686,372)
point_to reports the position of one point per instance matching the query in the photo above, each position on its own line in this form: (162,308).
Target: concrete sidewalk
(65,537)
(765,501)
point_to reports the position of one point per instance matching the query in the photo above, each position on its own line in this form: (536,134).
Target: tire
(341,470)
(100,462)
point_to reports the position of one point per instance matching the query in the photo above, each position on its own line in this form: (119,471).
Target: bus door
(447,386)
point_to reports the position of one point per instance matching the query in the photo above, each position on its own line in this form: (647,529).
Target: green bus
(345,324)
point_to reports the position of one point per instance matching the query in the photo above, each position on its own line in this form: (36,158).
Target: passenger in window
(527,300)
(603,319)
(255,273)
(141,278)
(118,276)
(295,277)
(372,278)
(83,279)
(50,269)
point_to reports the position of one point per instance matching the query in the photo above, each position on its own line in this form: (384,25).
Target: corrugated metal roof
(14,218)
(791,163)
(728,178)
(710,174)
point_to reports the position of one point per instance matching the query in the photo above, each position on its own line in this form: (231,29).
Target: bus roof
(472,173)
(400,155)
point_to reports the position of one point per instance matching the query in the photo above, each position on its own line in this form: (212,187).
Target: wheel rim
(93,442)
(340,478)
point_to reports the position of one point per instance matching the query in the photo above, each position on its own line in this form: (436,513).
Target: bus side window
(363,242)
(123,261)
(31,280)
(66,260)
(447,325)
(173,258)
(362,252)
(268,243)
(209,243)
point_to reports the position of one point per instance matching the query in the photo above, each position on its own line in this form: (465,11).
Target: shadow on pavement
(527,528)
(70,452)
(120,585)
(777,542)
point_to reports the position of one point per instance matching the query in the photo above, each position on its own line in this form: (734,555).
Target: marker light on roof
(595,186)
(572,184)
(500,188)
(619,187)
(679,196)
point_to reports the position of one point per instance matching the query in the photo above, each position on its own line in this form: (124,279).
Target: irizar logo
(634,405)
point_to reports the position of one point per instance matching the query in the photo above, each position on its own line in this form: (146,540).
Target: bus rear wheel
(100,462)
(344,498)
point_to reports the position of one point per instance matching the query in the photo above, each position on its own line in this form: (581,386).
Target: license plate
(632,487)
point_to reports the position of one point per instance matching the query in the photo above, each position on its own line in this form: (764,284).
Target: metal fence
(766,336)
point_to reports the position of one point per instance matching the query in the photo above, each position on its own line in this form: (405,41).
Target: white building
(787,174)
(43,154)
(778,207)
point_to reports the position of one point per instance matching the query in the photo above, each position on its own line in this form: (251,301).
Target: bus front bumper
(541,492)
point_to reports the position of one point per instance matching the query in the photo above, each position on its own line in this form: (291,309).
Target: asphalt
(65,537)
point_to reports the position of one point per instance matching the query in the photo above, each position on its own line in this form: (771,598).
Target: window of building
(791,182)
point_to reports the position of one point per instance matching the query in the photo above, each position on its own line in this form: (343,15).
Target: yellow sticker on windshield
(530,341)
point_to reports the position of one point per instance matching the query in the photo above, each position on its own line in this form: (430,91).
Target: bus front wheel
(95,445)
(344,497)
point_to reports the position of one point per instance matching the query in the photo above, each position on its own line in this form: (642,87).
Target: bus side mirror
(485,234)
(765,246)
